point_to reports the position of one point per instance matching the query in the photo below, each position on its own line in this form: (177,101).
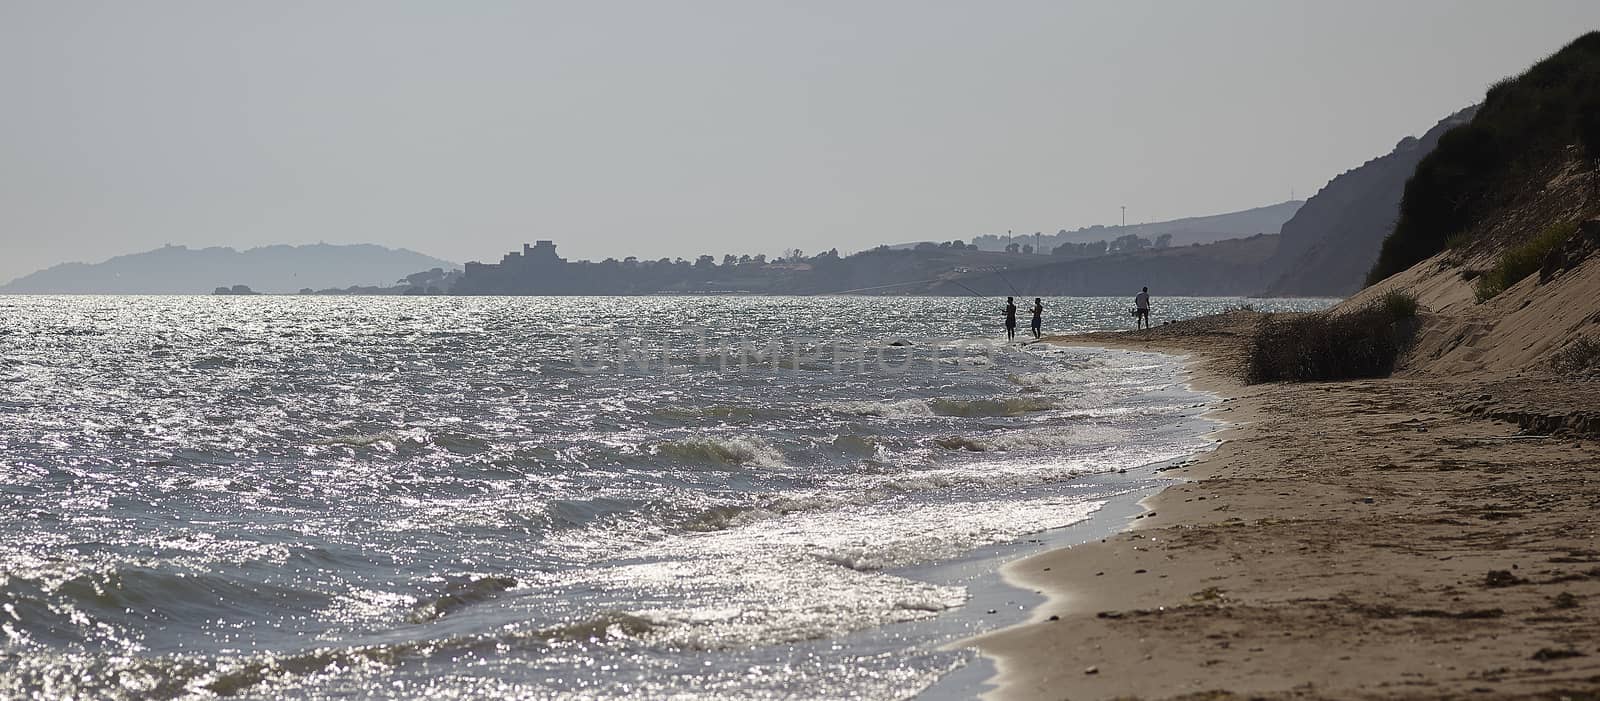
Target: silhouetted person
(1011,319)
(1141,308)
(1038,316)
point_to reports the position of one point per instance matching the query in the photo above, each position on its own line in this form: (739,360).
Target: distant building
(541,252)
(536,269)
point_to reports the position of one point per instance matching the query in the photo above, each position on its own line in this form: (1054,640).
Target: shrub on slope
(1524,123)
(1363,342)
(1521,261)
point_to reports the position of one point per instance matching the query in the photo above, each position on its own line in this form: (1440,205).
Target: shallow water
(591,498)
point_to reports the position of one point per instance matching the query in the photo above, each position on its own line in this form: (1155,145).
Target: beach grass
(1364,342)
(1521,261)
(1581,357)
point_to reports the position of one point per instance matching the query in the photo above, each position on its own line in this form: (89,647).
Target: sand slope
(1519,329)
(1349,540)
(1435,534)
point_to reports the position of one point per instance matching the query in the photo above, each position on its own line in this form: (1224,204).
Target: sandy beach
(1392,538)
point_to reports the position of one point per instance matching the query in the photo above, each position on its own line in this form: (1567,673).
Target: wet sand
(1367,539)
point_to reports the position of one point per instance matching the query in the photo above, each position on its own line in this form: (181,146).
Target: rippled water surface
(541,497)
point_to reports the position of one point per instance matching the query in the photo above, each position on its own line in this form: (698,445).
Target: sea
(713,497)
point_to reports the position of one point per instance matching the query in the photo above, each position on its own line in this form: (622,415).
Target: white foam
(815,574)
(1038,439)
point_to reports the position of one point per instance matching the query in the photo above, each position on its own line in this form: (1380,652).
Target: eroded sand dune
(1433,534)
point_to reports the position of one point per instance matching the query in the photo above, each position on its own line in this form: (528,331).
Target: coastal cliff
(1496,240)
(1428,534)
(1330,243)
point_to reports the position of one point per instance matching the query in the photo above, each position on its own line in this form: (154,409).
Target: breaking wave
(1002,406)
(903,409)
(738,451)
(178,676)
(965,408)
(1034,439)
(459,595)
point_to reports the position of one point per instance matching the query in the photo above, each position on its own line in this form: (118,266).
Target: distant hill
(1190,230)
(1231,267)
(1330,244)
(183,270)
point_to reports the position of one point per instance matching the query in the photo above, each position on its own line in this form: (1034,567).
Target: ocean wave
(724,517)
(738,414)
(608,625)
(457,595)
(235,676)
(384,439)
(858,559)
(740,451)
(866,490)
(1007,474)
(38,674)
(61,602)
(574,513)
(967,408)
(990,406)
(960,443)
(898,539)
(800,598)
(905,408)
(852,444)
(1038,439)
(823,574)
(768,357)
(132,676)
(408,440)
(461,443)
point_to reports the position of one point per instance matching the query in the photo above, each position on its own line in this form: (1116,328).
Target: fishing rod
(964,287)
(1002,275)
(882,287)
(975,293)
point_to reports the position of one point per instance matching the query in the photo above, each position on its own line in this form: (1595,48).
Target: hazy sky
(462,128)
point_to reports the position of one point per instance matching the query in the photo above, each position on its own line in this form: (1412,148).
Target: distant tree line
(1122,244)
(792,272)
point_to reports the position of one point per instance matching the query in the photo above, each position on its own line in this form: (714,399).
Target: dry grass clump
(1364,342)
(1581,358)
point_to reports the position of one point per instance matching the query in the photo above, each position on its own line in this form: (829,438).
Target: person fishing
(1038,316)
(1141,308)
(1011,319)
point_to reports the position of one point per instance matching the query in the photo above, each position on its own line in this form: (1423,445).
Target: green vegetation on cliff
(1521,261)
(1525,123)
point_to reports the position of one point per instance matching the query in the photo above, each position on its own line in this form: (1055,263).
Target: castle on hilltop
(535,269)
(542,254)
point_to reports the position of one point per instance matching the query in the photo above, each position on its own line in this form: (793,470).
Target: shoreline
(1345,539)
(997,602)
(1055,600)
(991,589)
